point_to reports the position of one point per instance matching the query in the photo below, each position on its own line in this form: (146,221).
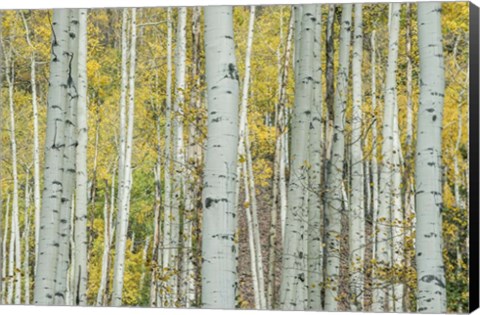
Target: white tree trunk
(4,250)
(69,164)
(383,218)
(53,174)
(107,244)
(26,237)
(334,195)
(167,226)
(219,215)
(357,212)
(374,164)
(123,212)
(283,164)
(431,296)
(294,283)
(9,74)
(315,152)
(398,228)
(36,148)
(80,275)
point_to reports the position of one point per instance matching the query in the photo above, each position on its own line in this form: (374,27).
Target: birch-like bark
(357,212)
(178,159)
(294,282)
(4,250)
(167,226)
(334,201)
(69,164)
(279,186)
(36,148)
(219,279)
(383,221)
(123,212)
(15,235)
(282,130)
(398,228)
(374,164)
(107,244)
(431,296)
(192,185)
(315,152)
(80,275)
(11,261)
(26,237)
(246,164)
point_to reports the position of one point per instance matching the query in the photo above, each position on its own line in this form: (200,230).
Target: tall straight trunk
(294,282)
(26,237)
(156,263)
(279,186)
(431,297)
(219,276)
(4,250)
(167,226)
(246,164)
(123,211)
(315,150)
(69,164)
(107,244)
(334,201)
(9,74)
(80,268)
(53,158)
(36,147)
(398,228)
(282,129)
(357,212)
(374,164)
(383,218)
(192,185)
(11,261)
(178,158)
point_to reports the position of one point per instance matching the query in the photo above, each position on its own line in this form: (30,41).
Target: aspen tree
(81,199)
(315,148)
(53,171)
(69,164)
(294,282)
(334,204)
(431,296)
(356,230)
(123,212)
(219,281)
(383,218)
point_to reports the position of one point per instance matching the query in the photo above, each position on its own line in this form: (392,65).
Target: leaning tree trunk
(334,201)
(357,212)
(383,218)
(123,211)
(315,152)
(80,268)
(294,282)
(219,247)
(431,296)
(53,174)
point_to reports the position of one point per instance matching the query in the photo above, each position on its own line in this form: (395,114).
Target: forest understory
(306,157)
